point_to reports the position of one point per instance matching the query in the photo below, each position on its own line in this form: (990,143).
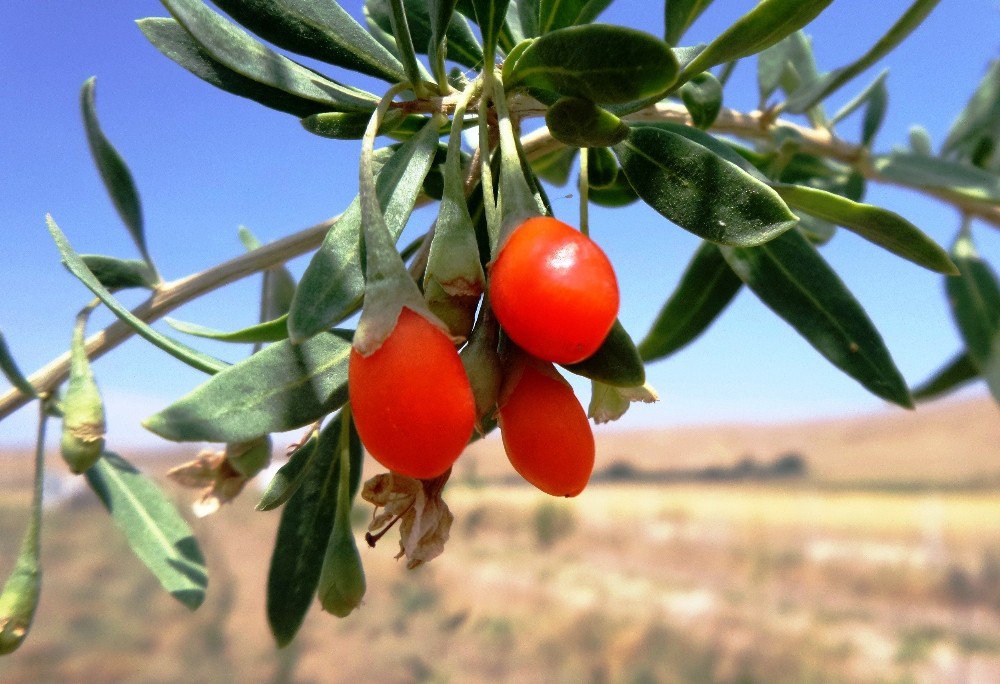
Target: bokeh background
(768,520)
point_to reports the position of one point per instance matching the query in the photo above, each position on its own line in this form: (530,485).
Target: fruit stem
(490,206)
(584,184)
(389,286)
(32,537)
(453,181)
(343,513)
(517,201)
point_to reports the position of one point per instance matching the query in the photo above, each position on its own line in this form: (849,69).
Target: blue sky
(207,162)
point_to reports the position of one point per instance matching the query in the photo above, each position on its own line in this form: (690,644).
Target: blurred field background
(860,550)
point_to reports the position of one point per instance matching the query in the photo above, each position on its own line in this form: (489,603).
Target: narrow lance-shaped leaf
(936,172)
(710,142)
(602,167)
(555,166)
(512,31)
(490,15)
(616,362)
(282,387)
(276,292)
(599,62)
(174,42)
(342,578)
(791,65)
(274,330)
(879,226)
(511,60)
(975,134)
(463,47)
(860,99)
(819,90)
(74,263)
(679,15)
(11,371)
(794,281)
(83,411)
(702,96)
(704,291)
(20,593)
(114,172)
(771,65)
(878,103)
(322,30)
(959,371)
(303,534)
(685,54)
(975,305)
(619,194)
(120,274)
(557,14)
(802,61)
(236,50)
(333,284)
(527,14)
(727,71)
(699,191)
(404,46)
(440,12)
(289,477)
(154,529)
(352,125)
(763,26)
(277,287)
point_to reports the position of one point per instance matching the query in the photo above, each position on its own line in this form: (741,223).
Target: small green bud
(342,580)
(581,123)
(349,125)
(83,411)
(18,602)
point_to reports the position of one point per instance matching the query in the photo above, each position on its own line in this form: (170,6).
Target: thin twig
(169,296)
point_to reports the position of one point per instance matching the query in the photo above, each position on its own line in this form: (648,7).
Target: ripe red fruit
(411,399)
(546,434)
(554,291)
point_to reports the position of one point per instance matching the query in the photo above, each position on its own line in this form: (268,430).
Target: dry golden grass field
(880,564)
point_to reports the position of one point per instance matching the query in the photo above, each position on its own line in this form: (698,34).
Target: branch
(759,125)
(754,125)
(166,298)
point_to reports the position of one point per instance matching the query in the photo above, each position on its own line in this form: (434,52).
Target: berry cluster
(555,295)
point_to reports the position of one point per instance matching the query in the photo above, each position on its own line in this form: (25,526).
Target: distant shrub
(553,522)
(621,471)
(789,465)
